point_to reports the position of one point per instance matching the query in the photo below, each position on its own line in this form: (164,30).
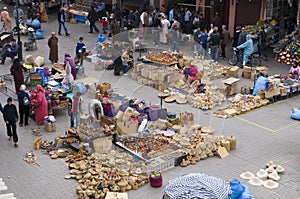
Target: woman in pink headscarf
(41,105)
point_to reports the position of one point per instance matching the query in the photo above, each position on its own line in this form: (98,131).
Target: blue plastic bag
(246,193)
(236,188)
(295,114)
(40,34)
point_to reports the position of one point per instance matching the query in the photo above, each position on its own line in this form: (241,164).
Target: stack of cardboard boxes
(231,85)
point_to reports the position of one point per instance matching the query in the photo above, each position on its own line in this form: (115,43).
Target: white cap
(5,8)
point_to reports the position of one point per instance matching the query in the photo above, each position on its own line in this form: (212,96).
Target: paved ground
(263,135)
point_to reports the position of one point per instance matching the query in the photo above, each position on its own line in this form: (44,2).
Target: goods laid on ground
(199,185)
(268,176)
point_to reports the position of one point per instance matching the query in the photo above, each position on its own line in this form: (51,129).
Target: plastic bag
(246,194)
(295,114)
(236,188)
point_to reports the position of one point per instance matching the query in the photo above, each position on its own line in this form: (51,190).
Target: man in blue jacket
(248,49)
(10,50)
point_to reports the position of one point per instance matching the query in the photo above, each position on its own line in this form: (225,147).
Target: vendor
(261,83)
(294,72)
(200,89)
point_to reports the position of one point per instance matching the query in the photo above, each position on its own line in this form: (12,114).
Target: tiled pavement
(264,134)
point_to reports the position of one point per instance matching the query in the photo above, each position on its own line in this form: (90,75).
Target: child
(80,50)
(104,24)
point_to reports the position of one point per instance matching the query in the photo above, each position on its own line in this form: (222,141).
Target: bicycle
(237,57)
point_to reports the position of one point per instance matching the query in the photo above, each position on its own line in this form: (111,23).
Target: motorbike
(237,57)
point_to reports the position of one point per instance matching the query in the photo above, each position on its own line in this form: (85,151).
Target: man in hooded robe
(53,45)
(41,105)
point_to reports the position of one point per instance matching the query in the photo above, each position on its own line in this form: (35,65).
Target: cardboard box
(126,127)
(246,75)
(231,85)
(115,195)
(247,69)
(232,72)
(50,127)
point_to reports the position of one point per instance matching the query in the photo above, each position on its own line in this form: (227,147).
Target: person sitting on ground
(261,83)
(294,72)
(31,39)
(80,50)
(125,61)
(10,50)
(248,49)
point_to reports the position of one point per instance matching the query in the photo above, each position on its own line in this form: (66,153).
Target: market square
(266,133)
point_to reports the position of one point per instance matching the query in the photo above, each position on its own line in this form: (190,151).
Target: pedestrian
(165,26)
(76,110)
(70,60)
(6,20)
(197,41)
(16,70)
(24,104)
(41,105)
(80,50)
(20,14)
(53,45)
(114,27)
(157,27)
(175,34)
(93,17)
(31,39)
(214,42)
(61,17)
(242,36)
(217,21)
(10,115)
(225,38)
(9,50)
(262,40)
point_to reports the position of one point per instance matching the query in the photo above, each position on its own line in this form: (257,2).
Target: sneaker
(67,34)
(59,33)
(16,144)
(125,74)
(21,124)
(90,32)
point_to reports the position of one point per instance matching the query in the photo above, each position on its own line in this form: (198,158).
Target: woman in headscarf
(16,71)
(41,105)
(71,61)
(24,105)
(68,80)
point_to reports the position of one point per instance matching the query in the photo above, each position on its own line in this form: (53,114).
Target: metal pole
(18,32)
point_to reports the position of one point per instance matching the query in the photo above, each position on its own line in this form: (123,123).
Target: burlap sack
(29,59)
(39,61)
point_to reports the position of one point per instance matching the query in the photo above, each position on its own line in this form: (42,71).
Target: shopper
(165,26)
(6,20)
(80,50)
(10,50)
(93,17)
(24,105)
(16,70)
(76,110)
(214,42)
(175,34)
(41,105)
(61,17)
(53,45)
(70,60)
(225,38)
(197,41)
(10,116)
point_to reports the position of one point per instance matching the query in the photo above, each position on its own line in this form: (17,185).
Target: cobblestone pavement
(264,134)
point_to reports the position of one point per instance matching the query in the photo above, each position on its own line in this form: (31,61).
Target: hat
(30,29)
(270,184)
(247,175)
(274,175)
(256,181)
(270,169)
(279,169)
(5,8)
(262,173)
(270,164)
(22,87)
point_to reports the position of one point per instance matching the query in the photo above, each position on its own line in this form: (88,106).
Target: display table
(80,16)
